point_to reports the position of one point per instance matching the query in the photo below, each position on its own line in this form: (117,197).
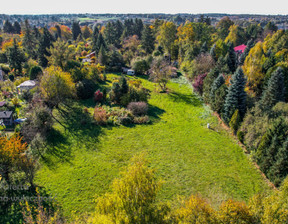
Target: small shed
(130,72)
(27,85)
(6,117)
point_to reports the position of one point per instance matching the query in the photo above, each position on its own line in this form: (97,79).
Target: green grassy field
(189,158)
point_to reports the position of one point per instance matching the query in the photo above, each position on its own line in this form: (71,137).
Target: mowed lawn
(188,157)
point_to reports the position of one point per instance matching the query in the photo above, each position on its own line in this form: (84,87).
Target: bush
(240,136)
(235,121)
(98,96)
(85,89)
(198,83)
(138,108)
(141,120)
(100,115)
(11,77)
(5,68)
(140,66)
(112,115)
(34,72)
(135,95)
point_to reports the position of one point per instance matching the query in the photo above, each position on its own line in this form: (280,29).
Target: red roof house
(240,48)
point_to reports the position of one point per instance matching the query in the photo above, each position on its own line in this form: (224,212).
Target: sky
(274,7)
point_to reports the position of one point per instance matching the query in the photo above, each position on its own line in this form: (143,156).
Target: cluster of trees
(248,90)
(134,199)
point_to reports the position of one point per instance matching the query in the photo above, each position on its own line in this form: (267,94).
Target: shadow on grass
(186,98)
(154,113)
(80,125)
(58,147)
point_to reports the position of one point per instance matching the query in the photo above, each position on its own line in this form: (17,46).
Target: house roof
(5,114)
(27,83)
(240,48)
(2,103)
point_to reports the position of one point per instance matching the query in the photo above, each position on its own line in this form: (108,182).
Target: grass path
(189,157)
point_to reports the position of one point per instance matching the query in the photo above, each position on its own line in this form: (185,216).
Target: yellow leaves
(11,148)
(185,33)
(7,44)
(167,35)
(195,210)
(56,85)
(253,66)
(232,36)
(235,212)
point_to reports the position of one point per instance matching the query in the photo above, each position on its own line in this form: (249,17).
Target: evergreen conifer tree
(219,81)
(148,40)
(29,40)
(269,145)
(213,52)
(204,48)
(16,27)
(280,168)
(102,56)
(236,96)
(208,81)
(7,27)
(231,58)
(76,30)
(123,85)
(243,56)
(44,44)
(274,92)
(16,57)
(99,43)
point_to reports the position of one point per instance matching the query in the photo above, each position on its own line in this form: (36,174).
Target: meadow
(83,158)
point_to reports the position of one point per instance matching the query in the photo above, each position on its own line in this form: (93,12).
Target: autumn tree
(167,36)
(236,35)
(253,68)
(160,72)
(231,211)
(133,196)
(11,150)
(86,32)
(60,54)
(56,86)
(223,27)
(195,210)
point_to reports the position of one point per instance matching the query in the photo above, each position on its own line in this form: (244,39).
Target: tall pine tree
(243,56)
(76,30)
(29,41)
(219,81)
(148,40)
(280,168)
(16,57)
(231,58)
(236,96)
(274,92)
(45,43)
